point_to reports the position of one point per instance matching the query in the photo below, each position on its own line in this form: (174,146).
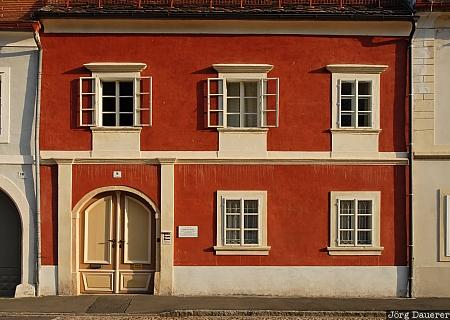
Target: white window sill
(356,130)
(242,250)
(234,129)
(116,129)
(355,251)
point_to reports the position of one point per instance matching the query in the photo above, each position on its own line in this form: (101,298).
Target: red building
(225,148)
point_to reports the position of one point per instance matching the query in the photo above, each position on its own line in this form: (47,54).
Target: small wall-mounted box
(117,174)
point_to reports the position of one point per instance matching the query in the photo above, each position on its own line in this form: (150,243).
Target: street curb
(264,313)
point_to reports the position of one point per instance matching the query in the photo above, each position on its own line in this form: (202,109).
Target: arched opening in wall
(117,245)
(10,246)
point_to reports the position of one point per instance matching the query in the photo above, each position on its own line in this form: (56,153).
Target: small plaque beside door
(187,231)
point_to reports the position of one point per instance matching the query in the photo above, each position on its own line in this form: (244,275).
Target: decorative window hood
(115,66)
(242,68)
(356,68)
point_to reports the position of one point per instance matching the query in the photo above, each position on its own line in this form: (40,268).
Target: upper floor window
(355,96)
(115,96)
(355,104)
(243,97)
(4,104)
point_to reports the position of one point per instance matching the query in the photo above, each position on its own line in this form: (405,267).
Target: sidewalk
(157,305)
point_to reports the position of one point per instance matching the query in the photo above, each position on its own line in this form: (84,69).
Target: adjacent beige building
(431,166)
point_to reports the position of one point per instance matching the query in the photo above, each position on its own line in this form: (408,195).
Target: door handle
(121,242)
(113,242)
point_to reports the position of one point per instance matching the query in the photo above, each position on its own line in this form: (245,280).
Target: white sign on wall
(187,231)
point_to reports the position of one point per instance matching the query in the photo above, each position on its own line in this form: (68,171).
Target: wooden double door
(117,245)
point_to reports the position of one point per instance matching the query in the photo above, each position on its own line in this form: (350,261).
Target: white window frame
(335,246)
(444,226)
(243,73)
(261,248)
(347,72)
(115,72)
(5,74)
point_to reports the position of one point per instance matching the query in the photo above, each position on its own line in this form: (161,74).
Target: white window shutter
(338,122)
(88,97)
(143,101)
(269,102)
(216,102)
(338,204)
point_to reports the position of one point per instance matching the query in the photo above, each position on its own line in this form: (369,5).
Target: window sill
(116,129)
(355,251)
(239,130)
(356,130)
(242,251)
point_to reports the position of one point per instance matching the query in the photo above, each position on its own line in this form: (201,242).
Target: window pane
(364,88)
(126,104)
(364,120)
(233,89)
(233,120)
(347,237)
(109,88)
(365,207)
(346,104)
(250,206)
(251,221)
(233,206)
(250,120)
(364,104)
(250,89)
(109,120)
(364,222)
(364,237)
(251,105)
(233,105)
(126,119)
(126,88)
(233,237)
(347,222)
(347,207)
(109,104)
(346,120)
(233,221)
(347,88)
(251,237)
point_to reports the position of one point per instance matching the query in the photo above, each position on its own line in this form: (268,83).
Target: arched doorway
(117,247)
(10,246)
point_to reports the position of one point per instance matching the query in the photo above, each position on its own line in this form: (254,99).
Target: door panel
(97,226)
(10,246)
(137,232)
(98,281)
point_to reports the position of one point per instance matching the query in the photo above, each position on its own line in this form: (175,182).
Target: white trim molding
(5,100)
(110,67)
(200,26)
(28,233)
(336,246)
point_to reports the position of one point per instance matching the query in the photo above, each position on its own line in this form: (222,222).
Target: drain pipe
(37,162)
(411,166)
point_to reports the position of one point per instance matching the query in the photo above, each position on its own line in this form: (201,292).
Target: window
(4,104)
(355,104)
(354,218)
(243,97)
(355,109)
(115,96)
(241,223)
